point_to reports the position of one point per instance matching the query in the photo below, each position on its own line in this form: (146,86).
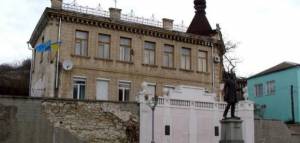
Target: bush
(15,78)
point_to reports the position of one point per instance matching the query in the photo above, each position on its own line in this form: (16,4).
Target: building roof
(120,25)
(280,67)
(200,24)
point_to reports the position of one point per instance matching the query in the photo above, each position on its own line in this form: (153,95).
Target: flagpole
(57,60)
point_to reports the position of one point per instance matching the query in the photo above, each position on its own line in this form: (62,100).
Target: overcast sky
(267,30)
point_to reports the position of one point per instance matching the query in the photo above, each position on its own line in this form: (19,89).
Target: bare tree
(230,61)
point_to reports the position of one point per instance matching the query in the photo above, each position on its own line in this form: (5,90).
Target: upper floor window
(81,43)
(168,56)
(79,88)
(103,50)
(202,61)
(186,58)
(258,89)
(149,53)
(125,49)
(124,91)
(271,87)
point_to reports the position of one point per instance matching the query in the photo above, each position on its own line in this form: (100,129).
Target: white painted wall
(192,115)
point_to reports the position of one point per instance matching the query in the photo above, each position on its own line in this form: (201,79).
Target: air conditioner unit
(217,59)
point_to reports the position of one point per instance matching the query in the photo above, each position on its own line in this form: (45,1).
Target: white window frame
(78,78)
(105,80)
(123,90)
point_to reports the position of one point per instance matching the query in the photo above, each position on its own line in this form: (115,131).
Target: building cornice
(118,25)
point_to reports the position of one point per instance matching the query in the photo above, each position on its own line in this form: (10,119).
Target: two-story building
(107,55)
(275,91)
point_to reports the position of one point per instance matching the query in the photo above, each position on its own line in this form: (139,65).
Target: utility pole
(292,103)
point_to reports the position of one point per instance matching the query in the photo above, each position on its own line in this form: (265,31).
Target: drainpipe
(57,61)
(212,69)
(31,66)
(292,104)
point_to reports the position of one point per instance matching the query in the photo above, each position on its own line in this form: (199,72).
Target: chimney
(168,24)
(115,13)
(57,4)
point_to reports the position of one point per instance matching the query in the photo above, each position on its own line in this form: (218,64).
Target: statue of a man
(230,96)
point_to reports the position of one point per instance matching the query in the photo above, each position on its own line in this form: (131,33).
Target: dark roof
(200,24)
(277,68)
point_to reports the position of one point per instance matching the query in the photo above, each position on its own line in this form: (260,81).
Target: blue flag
(43,47)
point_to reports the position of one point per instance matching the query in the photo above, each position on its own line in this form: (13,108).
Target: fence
(124,17)
(190,120)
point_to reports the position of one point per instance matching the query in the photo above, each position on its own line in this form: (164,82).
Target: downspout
(57,61)
(31,66)
(212,69)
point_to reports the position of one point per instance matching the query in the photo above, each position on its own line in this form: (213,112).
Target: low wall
(272,131)
(191,121)
(36,120)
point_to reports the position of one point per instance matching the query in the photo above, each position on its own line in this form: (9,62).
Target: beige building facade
(110,57)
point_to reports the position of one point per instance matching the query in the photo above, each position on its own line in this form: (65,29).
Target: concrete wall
(190,121)
(272,131)
(36,120)
(278,106)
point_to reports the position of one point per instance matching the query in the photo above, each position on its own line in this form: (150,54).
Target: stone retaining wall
(36,120)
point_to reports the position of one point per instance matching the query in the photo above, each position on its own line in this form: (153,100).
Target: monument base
(231,131)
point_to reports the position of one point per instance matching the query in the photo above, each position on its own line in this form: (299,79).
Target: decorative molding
(107,23)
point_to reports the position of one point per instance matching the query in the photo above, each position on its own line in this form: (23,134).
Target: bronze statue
(230,96)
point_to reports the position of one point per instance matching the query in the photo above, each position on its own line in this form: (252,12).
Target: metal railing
(85,10)
(124,17)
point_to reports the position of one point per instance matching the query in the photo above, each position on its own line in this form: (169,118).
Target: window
(151,90)
(125,49)
(168,56)
(167,130)
(271,87)
(124,91)
(102,90)
(81,44)
(168,89)
(103,46)
(79,88)
(185,58)
(149,53)
(202,61)
(258,90)
(42,53)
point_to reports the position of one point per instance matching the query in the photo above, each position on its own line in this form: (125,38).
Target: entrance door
(102,90)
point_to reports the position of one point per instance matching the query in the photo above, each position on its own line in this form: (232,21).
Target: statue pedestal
(231,131)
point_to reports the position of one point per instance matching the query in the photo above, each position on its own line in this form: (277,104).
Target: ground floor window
(167,89)
(124,91)
(258,90)
(79,88)
(102,89)
(151,90)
